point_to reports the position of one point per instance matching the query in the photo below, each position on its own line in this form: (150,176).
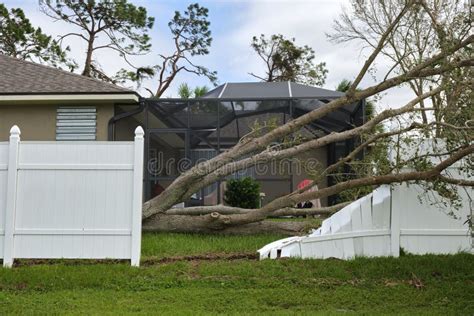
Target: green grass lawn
(170,245)
(408,285)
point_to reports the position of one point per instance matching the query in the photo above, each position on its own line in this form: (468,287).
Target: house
(52,104)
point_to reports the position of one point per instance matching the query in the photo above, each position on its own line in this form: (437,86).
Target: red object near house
(308,204)
(303,184)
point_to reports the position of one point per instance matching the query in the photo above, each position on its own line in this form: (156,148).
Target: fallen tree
(449,70)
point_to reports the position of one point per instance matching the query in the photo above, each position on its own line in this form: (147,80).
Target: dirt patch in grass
(149,261)
(65,262)
(202,257)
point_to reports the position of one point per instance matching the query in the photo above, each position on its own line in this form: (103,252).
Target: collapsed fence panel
(382,223)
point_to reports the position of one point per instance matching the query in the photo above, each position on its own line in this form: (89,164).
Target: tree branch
(378,48)
(228,210)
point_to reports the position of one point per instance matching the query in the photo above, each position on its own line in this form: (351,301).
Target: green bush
(243,193)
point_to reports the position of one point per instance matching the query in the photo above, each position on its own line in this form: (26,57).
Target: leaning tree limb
(229,210)
(216,221)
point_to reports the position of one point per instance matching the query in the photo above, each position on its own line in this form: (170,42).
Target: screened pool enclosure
(182,132)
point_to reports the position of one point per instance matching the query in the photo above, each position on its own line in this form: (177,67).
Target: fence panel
(3,191)
(76,200)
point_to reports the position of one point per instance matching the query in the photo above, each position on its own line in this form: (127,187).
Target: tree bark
(229,210)
(206,225)
(87,64)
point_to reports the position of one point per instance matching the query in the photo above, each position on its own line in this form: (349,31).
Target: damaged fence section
(64,199)
(382,223)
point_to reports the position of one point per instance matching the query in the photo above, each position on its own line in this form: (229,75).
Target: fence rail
(77,200)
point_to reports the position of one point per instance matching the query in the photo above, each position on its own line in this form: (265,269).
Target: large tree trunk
(208,225)
(87,63)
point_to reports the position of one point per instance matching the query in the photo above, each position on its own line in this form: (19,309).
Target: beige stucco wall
(125,129)
(38,121)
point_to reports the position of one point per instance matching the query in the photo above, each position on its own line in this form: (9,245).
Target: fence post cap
(15,130)
(139,131)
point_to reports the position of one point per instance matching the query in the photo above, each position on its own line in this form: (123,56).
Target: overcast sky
(233,23)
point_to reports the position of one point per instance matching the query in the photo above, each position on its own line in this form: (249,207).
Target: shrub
(243,193)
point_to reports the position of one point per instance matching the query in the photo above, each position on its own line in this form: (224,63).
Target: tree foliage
(20,39)
(285,61)
(344,85)
(200,91)
(191,37)
(427,26)
(244,193)
(114,25)
(186,92)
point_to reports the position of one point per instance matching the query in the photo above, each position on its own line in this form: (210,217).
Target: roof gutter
(111,123)
(99,97)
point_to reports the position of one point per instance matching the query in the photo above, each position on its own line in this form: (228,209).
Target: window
(76,123)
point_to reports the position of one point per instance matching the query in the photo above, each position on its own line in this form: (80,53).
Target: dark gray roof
(263,90)
(23,77)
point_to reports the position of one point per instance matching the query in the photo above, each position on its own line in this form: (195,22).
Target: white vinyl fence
(62,199)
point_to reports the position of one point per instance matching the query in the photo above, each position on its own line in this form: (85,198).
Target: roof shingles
(23,77)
